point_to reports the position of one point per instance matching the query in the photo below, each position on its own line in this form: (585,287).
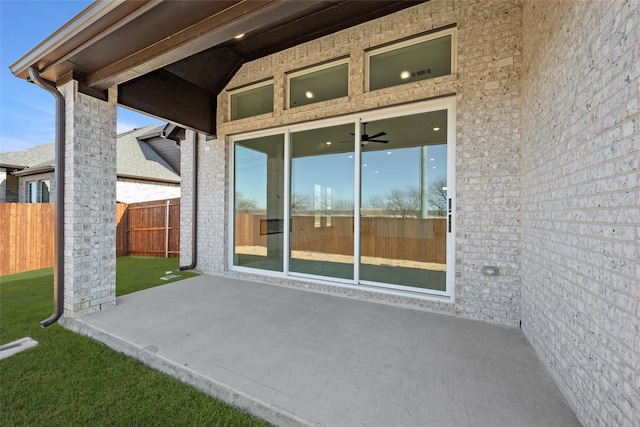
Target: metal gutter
(58,281)
(150,4)
(194,205)
(150,179)
(61,39)
(35,170)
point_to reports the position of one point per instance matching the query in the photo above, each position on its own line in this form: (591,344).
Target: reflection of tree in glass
(301,205)
(398,202)
(438,196)
(244,204)
(405,203)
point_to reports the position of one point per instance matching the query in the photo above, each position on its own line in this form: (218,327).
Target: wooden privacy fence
(27,233)
(413,239)
(150,229)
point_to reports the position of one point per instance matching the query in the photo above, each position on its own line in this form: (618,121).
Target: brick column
(90,202)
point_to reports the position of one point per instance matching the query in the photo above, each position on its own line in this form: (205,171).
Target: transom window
(417,59)
(251,101)
(318,84)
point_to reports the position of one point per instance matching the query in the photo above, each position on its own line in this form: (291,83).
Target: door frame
(444,103)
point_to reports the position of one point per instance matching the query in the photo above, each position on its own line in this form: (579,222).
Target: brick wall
(212,204)
(580,210)
(134,190)
(186,198)
(9,187)
(487,89)
(90,208)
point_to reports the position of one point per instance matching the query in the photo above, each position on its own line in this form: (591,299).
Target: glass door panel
(404,201)
(322,202)
(258,203)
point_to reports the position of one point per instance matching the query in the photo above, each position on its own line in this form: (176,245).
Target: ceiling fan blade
(377,135)
(378,140)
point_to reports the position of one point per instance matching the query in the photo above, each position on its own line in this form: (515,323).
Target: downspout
(58,282)
(194,204)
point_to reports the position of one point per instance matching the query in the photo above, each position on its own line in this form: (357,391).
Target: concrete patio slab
(295,357)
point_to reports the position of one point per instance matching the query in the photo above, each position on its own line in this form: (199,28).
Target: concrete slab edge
(17,346)
(203,383)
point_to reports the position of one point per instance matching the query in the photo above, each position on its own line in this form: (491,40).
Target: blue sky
(27,113)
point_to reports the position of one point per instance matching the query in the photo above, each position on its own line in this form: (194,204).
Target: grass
(71,380)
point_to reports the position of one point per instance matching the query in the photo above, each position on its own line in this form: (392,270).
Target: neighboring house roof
(136,158)
(166,143)
(34,157)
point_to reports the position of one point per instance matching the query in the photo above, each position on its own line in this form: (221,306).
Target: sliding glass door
(258,240)
(322,202)
(364,200)
(403,226)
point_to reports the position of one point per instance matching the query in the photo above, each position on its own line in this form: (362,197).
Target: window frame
(448,103)
(38,190)
(400,44)
(313,69)
(246,88)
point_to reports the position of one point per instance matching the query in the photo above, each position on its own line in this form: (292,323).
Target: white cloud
(126,127)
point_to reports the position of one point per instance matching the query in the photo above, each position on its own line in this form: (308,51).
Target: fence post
(166,232)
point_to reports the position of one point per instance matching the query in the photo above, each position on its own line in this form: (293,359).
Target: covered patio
(295,357)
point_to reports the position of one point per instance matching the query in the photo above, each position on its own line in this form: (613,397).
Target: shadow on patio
(295,357)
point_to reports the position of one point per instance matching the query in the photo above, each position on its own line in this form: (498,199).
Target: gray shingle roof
(40,155)
(137,158)
(134,158)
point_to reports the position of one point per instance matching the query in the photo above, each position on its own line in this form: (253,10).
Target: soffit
(171,59)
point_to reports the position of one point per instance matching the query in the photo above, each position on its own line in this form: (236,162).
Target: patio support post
(90,203)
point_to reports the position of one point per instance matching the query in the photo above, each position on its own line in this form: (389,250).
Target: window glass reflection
(258,203)
(322,181)
(403,202)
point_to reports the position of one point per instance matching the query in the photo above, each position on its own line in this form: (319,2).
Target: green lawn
(70,380)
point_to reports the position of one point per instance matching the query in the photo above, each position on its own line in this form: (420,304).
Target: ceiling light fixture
(405,75)
(328,142)
(239,36)
(308,94)
(436,129)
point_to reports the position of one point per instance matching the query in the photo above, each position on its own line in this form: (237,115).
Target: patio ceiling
(171,59)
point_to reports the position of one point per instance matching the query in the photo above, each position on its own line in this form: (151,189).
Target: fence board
(27,233)
(149,233)
(122,224)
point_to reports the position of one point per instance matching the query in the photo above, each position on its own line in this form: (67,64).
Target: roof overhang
(171,59)
(150,179)
(34,171)
(10,167)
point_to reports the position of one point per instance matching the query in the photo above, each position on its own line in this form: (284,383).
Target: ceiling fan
(365,139)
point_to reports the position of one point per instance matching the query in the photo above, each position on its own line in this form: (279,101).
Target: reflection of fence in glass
(416,239)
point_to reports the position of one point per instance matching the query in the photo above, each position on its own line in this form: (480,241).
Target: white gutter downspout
(58,281)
